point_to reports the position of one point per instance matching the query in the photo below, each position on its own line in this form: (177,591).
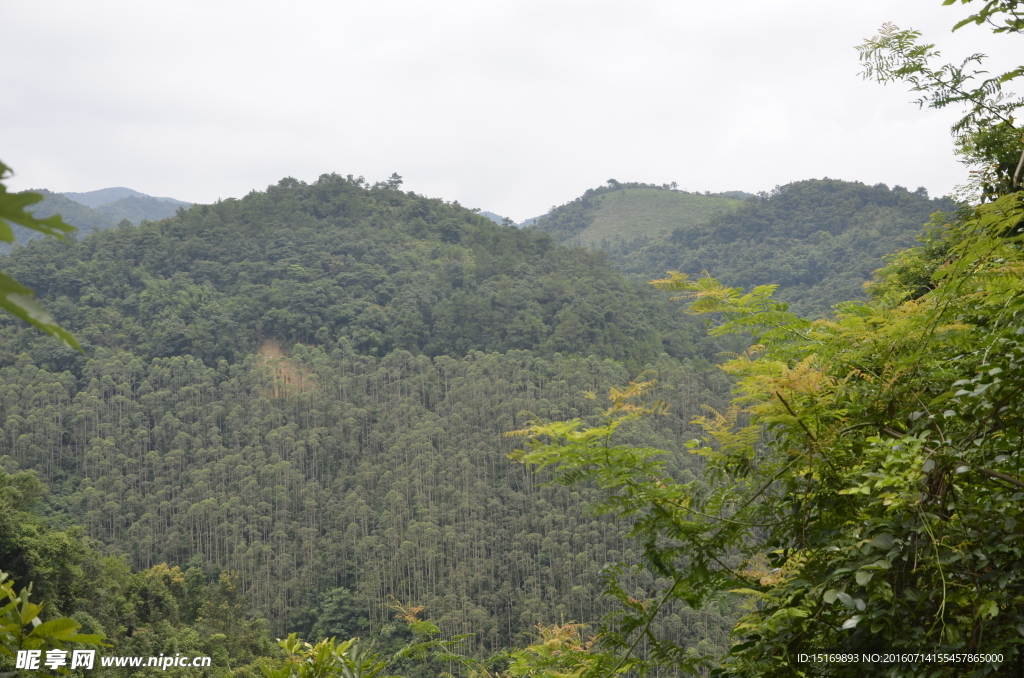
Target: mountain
(310,387)
(96,210)
(135,208)
(621,213)
(819,239)
(83,218)
(109,195)
(336,259)
(124,203)
(496,218)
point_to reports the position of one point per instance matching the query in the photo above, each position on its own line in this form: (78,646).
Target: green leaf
(15,298)
(12,208)
(56,628)
(882,541)
(20,301)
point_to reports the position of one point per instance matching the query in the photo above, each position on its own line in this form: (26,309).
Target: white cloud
(508,106)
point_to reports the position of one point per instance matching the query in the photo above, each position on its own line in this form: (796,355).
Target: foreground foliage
(15,298)
(22,629)
(326,659)
(863,493)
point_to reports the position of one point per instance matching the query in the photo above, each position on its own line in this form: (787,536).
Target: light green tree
(327,659)
(987,137)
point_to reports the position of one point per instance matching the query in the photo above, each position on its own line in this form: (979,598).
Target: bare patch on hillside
(289,376)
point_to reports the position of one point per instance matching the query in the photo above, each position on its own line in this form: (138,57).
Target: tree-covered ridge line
(820,240)
(574,222)
(308,264)
(389,477)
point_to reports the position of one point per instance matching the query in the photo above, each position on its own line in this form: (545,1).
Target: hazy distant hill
(135,208)
(108,195)
(97,210)
(496,218)
(85,219)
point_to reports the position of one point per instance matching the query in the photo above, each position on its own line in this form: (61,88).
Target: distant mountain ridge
(109,195)
(498,219)
(97,210)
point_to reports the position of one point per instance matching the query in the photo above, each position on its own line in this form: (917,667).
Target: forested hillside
(820,240)
(311,264)
(342,410)
(618,214)
(309,387)
(136,208)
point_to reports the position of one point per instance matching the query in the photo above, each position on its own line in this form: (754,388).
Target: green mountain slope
(311,264)
(135,208)
(819,239)
(621,213)
(647,213)
(96,210)
(310,385)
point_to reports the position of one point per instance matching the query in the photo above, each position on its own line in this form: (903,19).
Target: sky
(509,106)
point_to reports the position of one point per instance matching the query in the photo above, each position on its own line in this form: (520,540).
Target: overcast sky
(510,106)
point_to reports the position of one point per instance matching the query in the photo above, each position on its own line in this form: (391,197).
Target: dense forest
(310,264)
(621,212)
(429,442)
(308,388)
(821,240)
